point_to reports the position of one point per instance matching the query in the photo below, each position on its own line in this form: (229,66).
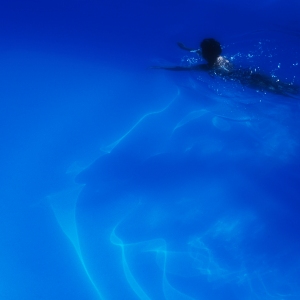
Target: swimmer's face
(223,63)
(222,60)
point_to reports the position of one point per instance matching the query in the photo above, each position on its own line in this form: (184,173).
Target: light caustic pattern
(168,212)
(209,264)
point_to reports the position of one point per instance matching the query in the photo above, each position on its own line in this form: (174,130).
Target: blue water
(119,181)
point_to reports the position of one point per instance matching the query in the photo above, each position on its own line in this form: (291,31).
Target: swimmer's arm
(183,47)
(202,67)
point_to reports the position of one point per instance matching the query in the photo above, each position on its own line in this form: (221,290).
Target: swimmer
(211,51)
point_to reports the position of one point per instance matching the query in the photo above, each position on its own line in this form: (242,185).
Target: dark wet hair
(211,49)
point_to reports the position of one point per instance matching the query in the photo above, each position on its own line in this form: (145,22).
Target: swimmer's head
(211,50)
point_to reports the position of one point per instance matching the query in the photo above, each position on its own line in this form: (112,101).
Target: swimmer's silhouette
(211,50)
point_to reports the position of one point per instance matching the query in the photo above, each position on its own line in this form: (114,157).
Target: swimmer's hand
(180,45)
(183,47)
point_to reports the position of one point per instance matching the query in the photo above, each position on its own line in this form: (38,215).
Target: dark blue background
(199,197)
